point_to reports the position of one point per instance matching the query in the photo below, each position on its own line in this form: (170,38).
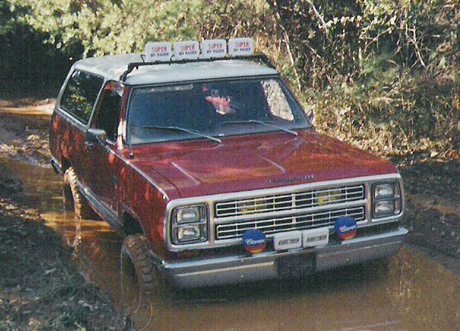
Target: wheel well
(130,225)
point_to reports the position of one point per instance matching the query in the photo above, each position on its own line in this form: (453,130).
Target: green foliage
(123,26)
(26,63)
(7,21)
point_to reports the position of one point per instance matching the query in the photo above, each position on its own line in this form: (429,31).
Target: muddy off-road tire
(74,199)
(138,262)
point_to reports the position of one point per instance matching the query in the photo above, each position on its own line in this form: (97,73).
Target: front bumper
(271,265)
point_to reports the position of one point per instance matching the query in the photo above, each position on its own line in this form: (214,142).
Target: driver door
(104,182)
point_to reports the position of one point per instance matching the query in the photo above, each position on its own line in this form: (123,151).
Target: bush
(381,74)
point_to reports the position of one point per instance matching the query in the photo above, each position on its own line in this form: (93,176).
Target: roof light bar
(190,50)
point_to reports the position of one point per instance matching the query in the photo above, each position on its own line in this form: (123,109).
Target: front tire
(74,199)
(138,261)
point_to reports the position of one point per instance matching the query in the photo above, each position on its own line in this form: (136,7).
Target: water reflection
(94,244)
(426,294)
(408,292)
(40,185)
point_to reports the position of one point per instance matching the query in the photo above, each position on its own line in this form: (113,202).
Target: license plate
(296,266)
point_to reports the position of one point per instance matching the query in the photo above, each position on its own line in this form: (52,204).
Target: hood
(203,167)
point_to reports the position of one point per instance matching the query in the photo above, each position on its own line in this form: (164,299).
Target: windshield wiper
(263,123)
(177,128)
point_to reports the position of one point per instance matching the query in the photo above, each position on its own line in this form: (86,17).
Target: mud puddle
(408,292)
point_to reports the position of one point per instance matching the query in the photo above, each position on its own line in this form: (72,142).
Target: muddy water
(407,293)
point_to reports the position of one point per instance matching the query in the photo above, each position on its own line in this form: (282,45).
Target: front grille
(289,201)
(279,224)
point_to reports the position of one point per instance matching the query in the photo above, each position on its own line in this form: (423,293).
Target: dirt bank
(40,288)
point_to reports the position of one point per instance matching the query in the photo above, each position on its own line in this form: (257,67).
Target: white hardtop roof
(111,67)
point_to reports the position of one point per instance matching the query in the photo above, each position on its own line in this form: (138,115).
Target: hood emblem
(290,179)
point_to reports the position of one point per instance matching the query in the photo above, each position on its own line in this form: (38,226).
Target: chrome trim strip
(223,270)
(399,232)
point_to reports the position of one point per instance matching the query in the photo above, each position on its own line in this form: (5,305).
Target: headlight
(384,191)
(386,200)
(189,214)
(189,224)
(384,207)
(188,233)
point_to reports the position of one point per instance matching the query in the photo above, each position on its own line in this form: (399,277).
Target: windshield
(212,109)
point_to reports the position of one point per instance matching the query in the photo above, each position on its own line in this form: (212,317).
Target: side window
(80,94)
(108,114)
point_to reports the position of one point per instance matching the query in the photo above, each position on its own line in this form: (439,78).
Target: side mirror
(95,135)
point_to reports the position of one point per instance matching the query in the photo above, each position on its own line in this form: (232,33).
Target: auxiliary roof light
(191,50)
(158,51)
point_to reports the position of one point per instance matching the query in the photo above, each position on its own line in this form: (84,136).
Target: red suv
(213,172)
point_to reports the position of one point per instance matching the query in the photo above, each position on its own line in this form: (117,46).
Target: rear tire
(74,199)
(138,262)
